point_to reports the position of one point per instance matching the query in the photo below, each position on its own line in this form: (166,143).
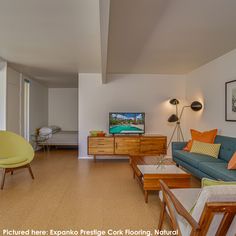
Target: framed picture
(230,101)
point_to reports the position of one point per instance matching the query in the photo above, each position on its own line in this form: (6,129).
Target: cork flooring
(68,193)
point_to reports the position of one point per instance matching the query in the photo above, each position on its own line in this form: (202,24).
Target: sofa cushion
(210,149)
(206,137)
(232,162)
(194,171)
(194,159)
(211,182)
(228,147)
(218,170)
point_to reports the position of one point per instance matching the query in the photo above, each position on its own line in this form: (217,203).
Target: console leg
(94,158)
(146,196)
(133,174)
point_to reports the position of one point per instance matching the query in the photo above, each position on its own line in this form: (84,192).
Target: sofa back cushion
(206,137)
(228,147)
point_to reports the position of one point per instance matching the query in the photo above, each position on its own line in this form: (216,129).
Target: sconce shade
(174,101)
(173,118)
(196,106)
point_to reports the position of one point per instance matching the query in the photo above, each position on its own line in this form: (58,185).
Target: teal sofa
(205,166)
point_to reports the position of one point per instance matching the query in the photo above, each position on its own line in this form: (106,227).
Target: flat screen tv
(126,122)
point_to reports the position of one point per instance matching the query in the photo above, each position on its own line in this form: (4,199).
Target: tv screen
(126,122)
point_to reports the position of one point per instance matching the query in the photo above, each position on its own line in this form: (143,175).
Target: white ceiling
(55,36)
(169,36)
(53,40)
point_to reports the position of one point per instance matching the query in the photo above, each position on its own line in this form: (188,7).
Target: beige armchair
(208,211)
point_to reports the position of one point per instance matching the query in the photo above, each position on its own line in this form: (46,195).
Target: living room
(88,59)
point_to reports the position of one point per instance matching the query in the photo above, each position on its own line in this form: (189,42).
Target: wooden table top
(149,160)
(146,160)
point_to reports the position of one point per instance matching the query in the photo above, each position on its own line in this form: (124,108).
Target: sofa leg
(30,171)
(3,178)
(177,165)
(12,172)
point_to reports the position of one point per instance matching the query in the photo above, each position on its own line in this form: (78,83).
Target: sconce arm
(181,113)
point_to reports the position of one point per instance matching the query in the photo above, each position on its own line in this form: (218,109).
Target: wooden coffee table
(150,174)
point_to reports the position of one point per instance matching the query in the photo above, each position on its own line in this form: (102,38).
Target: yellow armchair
(15,153)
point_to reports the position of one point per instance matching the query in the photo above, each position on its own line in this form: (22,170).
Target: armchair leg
(3,178)
(162,214)
(30,171)
(12,172)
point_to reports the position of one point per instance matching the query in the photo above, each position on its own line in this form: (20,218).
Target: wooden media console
(127,145)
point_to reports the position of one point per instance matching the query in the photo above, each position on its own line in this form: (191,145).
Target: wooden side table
(40,141)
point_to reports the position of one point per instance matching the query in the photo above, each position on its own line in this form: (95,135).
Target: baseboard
(85,158)
(105,158)
(112,157)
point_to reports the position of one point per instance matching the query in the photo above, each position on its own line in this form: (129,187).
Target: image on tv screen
(124,123)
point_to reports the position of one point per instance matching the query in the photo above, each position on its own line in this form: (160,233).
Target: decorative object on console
(230,100)
(195,106)
(97,133)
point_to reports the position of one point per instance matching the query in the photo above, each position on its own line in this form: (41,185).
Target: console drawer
(101,142)
(103,150)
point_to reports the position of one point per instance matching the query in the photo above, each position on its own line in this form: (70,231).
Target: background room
(37,102)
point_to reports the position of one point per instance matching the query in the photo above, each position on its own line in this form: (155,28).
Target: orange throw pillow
(232,163)
(205,137)
(188,146)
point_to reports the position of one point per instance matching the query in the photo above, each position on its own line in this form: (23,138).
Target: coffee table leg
(146,196)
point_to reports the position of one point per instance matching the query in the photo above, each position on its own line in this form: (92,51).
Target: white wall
(144,93)
(13,108)
(38,106)
(207,83)
(15,103)
(63,108)
(3,94)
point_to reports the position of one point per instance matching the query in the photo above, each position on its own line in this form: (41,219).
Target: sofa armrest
(178,145)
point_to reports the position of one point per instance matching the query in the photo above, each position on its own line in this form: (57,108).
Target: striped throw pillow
(206,148)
